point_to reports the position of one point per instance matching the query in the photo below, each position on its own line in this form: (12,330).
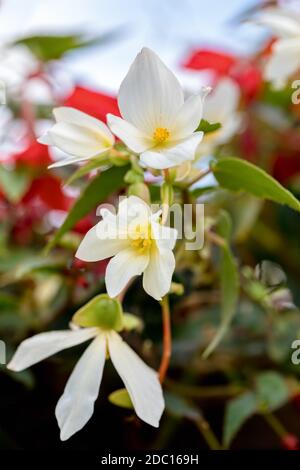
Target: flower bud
(102,311)
(141,190)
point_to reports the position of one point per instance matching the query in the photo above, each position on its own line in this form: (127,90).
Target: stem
(275,424)
(199,176)
(208,434)
(167,340)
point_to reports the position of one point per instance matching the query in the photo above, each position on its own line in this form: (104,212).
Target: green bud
(132,322)
(121,398)
(176,288)
(102,312)
(134,176)
(141,190)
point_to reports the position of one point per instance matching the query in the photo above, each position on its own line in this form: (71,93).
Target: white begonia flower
(76,405)
(138,244)
(78,134)
(221,106)
(285,55)
(157,123)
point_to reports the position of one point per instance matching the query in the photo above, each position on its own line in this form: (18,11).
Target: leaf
(121,398)
(14,183)
(238,175)
(93,164)
(237,411)
(95,193)
(229,282)
(53,47)
(180,408)
(271,390)
(208,127)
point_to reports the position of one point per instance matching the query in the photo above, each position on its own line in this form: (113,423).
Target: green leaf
(14,183)
(271,390)
(237,411)
(93,164)
(208,127)
(239,175)
(95,193)
(52,47)
(180,407)
(229,278)
(121,398)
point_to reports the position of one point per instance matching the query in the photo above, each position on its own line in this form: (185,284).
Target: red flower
(94,103)
(290,442)
(48,190)
(285,167)
(243,71)
(35,155)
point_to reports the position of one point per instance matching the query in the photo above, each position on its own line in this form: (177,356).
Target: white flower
(77,134)
(285,55)
(76,405)
(221,106)
(157,123)
(138,243)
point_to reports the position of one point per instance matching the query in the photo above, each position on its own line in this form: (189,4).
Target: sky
(170,27)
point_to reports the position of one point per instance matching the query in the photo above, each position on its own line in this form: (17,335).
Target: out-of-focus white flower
(221,106)
(16,65)
(138,244)
(285,56)
(157,123)
(78,134)
(76,405)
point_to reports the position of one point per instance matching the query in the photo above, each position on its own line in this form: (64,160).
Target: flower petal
(79,118)
(283,22)
(125,265)
(77,140)
(43,345)
(150,95)
(222,102)
(174,154)
(189,115)
(140,380)
(100,242)
(76,406)
(136,140)
(158,274)
(165,236)
(284,61)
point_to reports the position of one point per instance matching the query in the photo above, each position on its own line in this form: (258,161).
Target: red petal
(94,103)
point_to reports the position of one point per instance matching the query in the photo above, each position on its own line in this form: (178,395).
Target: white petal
(222,102)
(99,244)
(165,236)
(282,22)
(77,140)
(125,265)
(74,116)
(140,380)
(150,95)
(69,161)
(174,154)
(158,274)
(76,406)
(189,116)
(284,61)
(135,139)
(43,345)
(45,139)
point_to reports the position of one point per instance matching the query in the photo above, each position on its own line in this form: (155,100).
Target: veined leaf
(95,193)
(239,175)
(237,411)
(271,390)
(229,282)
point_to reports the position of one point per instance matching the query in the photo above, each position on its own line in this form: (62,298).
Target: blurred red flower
(94,103)
(35,155)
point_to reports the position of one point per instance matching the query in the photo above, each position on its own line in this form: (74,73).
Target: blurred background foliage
(245,394)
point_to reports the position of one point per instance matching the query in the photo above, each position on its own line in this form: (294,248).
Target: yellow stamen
(160,135)
(141,238)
